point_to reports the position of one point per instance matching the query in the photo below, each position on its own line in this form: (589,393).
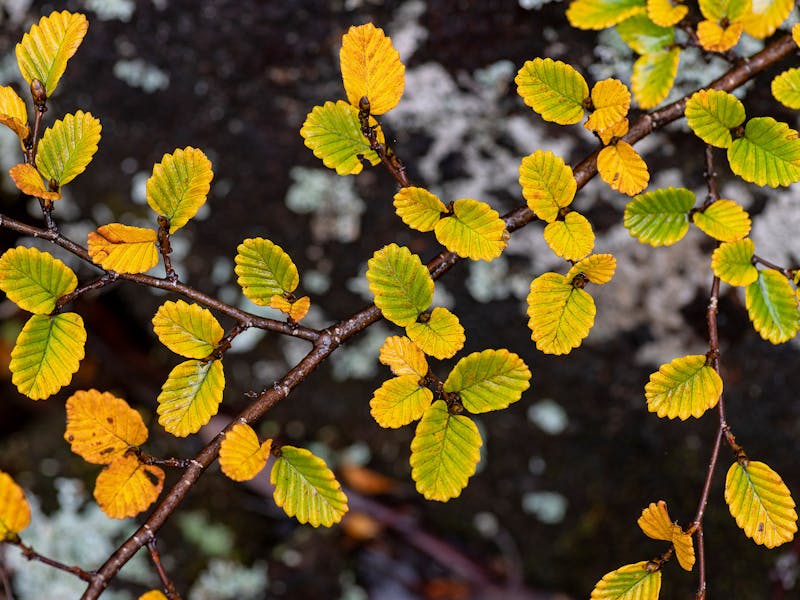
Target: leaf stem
(31,554)
(166,582)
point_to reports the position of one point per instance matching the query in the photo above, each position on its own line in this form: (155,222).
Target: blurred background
(565,472)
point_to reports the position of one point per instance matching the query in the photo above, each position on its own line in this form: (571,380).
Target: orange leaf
(28,180)
(13,113)
(296,309)
(622,168)
(241,455)
(125,487)
(611,100)
(123,248)
(15,513)
(715,38)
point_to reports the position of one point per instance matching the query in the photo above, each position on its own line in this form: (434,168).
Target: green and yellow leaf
(572,238)
(13,113)
(561,315)
(101,427)
(772,306)
(653,76)
(402,286)
(190,396)
(399,401)
(685,387)
(611,100)
(600,14)
(444,453)
(47,354)
(725,10)
(660,217)
(264,270)
(716,38)
(548,184)
(306,488)
(125,487)
(712,114)
(403,357)
(621,167)
(440,336)
(15,513)
(732,262)
(553,89)
(67,147)
(768,154)
(597,268)
(241,456)
(123,248)
(28,181)
(761,503)
(766,16)
(786,88)
(187,329)
(418,208)
(179,185)
(34,280)
(488,380)
(666,13)
(371,67)
(724,220)
(474,230)
(632,582)
(642,33)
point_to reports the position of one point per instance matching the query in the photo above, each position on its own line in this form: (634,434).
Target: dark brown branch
(166,582)
(771,265)
(383,150)
(147,459)
(102,281)
(31,554)
(165,248)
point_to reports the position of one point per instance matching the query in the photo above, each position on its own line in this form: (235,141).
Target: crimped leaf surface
(572,238)
(711,114)
(685,387)
(600,14)
(125,488)
(621,167)
(179,185)
(547,184)
(724,220)
(489,380)
(402,286)
(264,270)
(766,16)
(34,280)
(15,513)
(768,154)
(13,113)
(664,13)
(631,582)
(403,356)
(28,181)
(67,147)
(598,268)
(418,208)
(123,248)
(732,262)
(399,401)
(772,306)
(187,329)
(660,217)
(611,99)
(644,36)
(474,230)
(190,396)
(655,523)
(653,76)
(241,456)
(553,89)
(560,315)
(786,88)
(441,336)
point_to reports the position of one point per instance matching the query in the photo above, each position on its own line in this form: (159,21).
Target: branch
(31,554)
(166,582)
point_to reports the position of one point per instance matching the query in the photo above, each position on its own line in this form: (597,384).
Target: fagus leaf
(179,185)
(655,523)
(796,34)
(553,89)
(772,306)
(572,238)
(418,208)
(190,396)
(653,76)
(732,262)
(644,36)
(399,401)
(547,184)
(474,230)
(660,217)
(766,16)
(725,10)
(125,487)
(617,130)
(786,88)
(403,356)
(561,315)
(600,14)
(34,280)
(187,329)
(666,13)
(488,380)
(15,513)
(631,582)
(402,286)
(241,455)
(67,147)
(712,114)
(28,181)
(153,595)
(685,387)
(440,335)
(597,268)
(264,270)
(123,248)
(768,154)
(724,220)
(611,100)
(13,113)
(715,38)
(296,309)
(621,167)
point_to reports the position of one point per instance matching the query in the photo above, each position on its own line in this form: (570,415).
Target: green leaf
(553,89)
(47,354)
(772,306)
(179,185)
(768,154)
(45,50)
(597,268)
(190,396)
(653,76)
(572,238)
(711,114)
(732,262)
(548,184)
(444,453)
(786,88)
(660,217)
(187,329)
(402,286)
(306,488)
(724,220)
(600,14)
(399,401)
(418,208)
(561,315)
(631,582)
(34,280)
(264,270)
(474,230)
(488,380)
(68,146)
(761,503)
(645,37)
(333,133)
(686,387)
(440,336)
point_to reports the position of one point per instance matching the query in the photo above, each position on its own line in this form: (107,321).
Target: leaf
(47,354)
(772,306)
(766,16)
(371,67)
(600,14)
(333,133)
(553,89)
(725,10)
(306,488)
(34,280)
(547,184)
(724,220)
(67,147)
(402,286)
(597,268)
(653,76)
(122,248)
(403,356)
(572,238)
(786,88)
(684,548)
(643,35)
(685,387)
(655,523)
(187,329)
(440,336)
(444,453)
(666,13)
(15,513)
(768,154)
(125,488)
(561,315)
(190,396)
(615,131)
(611,100)
(241,456)
(660,217)
(621,167)
(474,230)
(796,34)
(179,185)
(28,181)
(296,309)
(264,270)
(732,262)
(153,595)
(488,380)
(13,113)
(46,48)
(761,503)
(715,38)
(712,114)
(631,582)
(399,401)
(418,208)
(101,427)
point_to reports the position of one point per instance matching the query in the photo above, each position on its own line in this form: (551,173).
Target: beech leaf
(489,380)
(125,487)
(685,387)
(179,185)
(123,248)
(190,396)
(241,455)
(34,280)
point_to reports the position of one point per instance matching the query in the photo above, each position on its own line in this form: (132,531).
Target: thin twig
(102,281)
(31,554)
(165,248)
(169,587)
(4,575)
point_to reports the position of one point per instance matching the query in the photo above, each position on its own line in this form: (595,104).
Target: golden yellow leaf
(418,208)
(655,521)
(403,356)
(179,185)
(666,13)
(611,100)
(295,309)
(28,181)
(125,487)
(548,184)
(598,268)
(13,113)
(715,38)
(561,315)
(572,238)
(685,387)
(399,401)
(766,16)
(241,456)
(123,248)
(153,595)
(796,34)
(615,131)
(15,514)
(621,167)
(684,548)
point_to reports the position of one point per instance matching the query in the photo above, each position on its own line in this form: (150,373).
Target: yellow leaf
(561,315)
(653,76)
(403,357)
(684,548)
(724,220)
(621,167)
(15,514)
(418,208)
(655,521)
(598,268)
(440,336)
(190,396)
(786,88)
(766,16)
(125,488)
(796,34)
(665,13)
(187,329)
(611,100)
(716,38)
(474,230)
(399,401)
(123,248)
(615,131)
(153,595)
(732,262)
(548,184)
(179,185)
(241,456)
(101,427)
(686,387)
(572,238)
(295,309)
(28,181)
(371,67)
(632,582)
(13,113)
